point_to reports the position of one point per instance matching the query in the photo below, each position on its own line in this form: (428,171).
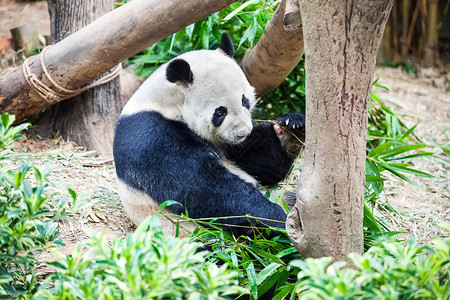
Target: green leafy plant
(387,270)
(391,146)
(263,259)
(289,97)
(405,66)
(27,224)
(245,22)
(146,265)
(9,133)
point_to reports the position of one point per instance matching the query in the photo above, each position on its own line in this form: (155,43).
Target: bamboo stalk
(411,27)
(404,32)
(423,25)
(385,52)
(395,42)
(432,37)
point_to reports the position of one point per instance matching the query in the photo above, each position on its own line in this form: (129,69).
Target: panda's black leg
(268,153)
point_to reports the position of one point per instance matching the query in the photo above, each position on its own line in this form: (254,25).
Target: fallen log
(101,45)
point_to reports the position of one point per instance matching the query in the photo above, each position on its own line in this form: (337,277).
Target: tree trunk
(87,119)
(278,51)
(342,38)
(99,46)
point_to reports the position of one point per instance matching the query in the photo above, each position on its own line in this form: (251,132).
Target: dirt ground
(15,13)
(424,99)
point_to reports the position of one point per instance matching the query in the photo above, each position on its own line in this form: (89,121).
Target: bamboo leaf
(388,168)
(266,272)
(446,148)
(409,131)
(267,284)
(284,292)
(379,149)
(374,178)
(253,283)
(421,154)
(370,222)
(287,252)
(239,9)
(168,203)
(401,149)
(379,85)
(399,167)
(268,255)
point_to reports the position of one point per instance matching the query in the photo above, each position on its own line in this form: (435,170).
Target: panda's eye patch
(245,102)
(219,115)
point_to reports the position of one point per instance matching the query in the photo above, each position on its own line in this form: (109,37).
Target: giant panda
(187,135)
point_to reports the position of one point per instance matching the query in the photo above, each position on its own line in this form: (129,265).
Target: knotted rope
(52,96)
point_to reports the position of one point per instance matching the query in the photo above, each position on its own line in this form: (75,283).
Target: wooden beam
(96,48)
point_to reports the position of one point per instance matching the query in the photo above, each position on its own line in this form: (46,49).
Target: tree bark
(278,51)
(89,118)
(99,46)
(342,38)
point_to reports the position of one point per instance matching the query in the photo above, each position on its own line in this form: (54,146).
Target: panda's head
(218,99)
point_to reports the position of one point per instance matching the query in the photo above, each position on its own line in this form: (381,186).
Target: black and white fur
(187,135)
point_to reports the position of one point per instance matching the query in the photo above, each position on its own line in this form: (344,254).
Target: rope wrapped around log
(52,96)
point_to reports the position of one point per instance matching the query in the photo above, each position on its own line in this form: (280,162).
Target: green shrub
(26,219)
(386,271)
(146,265)
(263,259)
(391,147)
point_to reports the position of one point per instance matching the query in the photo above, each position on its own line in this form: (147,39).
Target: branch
(278,51)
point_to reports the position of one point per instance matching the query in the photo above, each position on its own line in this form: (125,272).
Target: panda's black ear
(226,45)
(179,71)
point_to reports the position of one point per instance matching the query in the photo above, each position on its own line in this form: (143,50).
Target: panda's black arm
(267,155)
(261,155)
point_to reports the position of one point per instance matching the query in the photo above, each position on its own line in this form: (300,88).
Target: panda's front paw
(291,121)
(290,129)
